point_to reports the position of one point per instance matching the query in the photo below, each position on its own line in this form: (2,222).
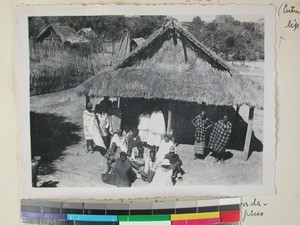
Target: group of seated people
(146,151)
(129,157)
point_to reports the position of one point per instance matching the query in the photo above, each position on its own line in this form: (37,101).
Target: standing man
(199,122)
(114,118)
(91,129)
(219,137)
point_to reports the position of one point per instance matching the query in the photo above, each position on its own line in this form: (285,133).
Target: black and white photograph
(148,100)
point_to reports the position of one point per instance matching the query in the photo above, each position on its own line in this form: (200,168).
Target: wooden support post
(119,101)
(249,133)
(169,120)
(87,100)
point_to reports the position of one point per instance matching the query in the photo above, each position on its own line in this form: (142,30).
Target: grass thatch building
(87,33)
(61,35)
(173,69)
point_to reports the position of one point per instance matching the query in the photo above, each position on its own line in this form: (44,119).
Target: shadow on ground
(50,136)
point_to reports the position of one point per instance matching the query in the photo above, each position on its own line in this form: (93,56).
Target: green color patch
(144,218)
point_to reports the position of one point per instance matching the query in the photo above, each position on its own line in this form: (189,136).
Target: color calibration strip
(201,212)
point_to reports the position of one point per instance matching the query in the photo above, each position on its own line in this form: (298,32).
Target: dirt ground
(68,165)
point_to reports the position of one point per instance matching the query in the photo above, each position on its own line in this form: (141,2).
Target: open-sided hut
(61,35)
(173,69)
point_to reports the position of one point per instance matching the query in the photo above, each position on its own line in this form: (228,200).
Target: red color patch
(230,216)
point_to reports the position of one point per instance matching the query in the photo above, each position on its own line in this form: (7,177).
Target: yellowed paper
(281,208)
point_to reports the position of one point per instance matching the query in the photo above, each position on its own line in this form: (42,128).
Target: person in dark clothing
(112,155)
(134,141)
(104,105)
(124,175)
(176,164)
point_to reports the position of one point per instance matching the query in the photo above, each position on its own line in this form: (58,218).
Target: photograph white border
(23,69)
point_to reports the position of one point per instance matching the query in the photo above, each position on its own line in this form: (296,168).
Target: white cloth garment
(91,129)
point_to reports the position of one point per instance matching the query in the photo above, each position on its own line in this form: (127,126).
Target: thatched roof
(177,69)
(124,48)
(87,33)
(167,31)
(138,41)
(64,33)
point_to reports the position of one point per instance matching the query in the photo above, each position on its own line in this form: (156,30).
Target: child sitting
(176,164)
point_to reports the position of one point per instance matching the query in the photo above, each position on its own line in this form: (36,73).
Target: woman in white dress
(143,126)
(157,128)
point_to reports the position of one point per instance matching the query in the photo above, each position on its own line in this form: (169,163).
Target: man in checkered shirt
(219,137)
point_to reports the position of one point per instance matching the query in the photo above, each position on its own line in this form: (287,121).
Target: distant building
(61,35)
(87,33)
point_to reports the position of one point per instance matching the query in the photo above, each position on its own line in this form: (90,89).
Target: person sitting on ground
(119,139)
(164,148)
(126,133)
(112,155)
(176,164)
(163,174)
(136,157)
(148,171)
(133,141)
(124,175)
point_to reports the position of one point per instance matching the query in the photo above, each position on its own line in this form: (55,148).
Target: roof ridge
(174,24)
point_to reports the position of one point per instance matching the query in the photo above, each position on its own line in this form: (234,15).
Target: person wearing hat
(163,174)
(91,129)
(176,164)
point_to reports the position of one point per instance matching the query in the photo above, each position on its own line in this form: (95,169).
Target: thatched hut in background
(87,33)
(174,70)
(61,36)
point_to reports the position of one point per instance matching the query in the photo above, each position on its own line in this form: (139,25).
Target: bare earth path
(73,167)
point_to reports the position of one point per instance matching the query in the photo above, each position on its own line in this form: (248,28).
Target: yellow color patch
(191,216)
